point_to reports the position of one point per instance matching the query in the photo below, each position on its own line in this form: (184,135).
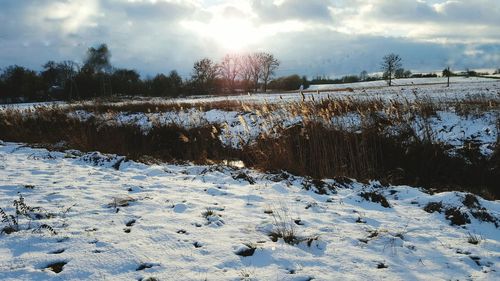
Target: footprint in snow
(216,192)
(146,265)
(180,208)
(56,252)
(130,223)
(215,221)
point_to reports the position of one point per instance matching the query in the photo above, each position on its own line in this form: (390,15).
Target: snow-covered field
(102,217)
(120,220)
(404,82)
(408,89)
(448,126)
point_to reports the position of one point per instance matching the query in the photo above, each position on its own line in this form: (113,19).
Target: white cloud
(458,21)
(311,37)
(311,10)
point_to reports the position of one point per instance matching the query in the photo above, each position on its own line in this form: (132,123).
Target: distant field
(460,87)
(403,82)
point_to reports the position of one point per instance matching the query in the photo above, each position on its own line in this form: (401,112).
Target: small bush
(375,197)
(456,217)
(432,207)
(13,223)
(213,218)
(283,227)
(483,215)
(318,186)
(473,239)
(209,212)
(471,202)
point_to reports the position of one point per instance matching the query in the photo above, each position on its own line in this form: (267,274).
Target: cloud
(152,11)
(455,21)
(143,34)
(333,53)
(311,10)
(314,37)
(462,12)
(482,12)
(401,11)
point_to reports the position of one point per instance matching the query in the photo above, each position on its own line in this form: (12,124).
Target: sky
(313,37)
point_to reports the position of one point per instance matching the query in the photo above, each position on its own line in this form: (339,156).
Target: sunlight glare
(230,34)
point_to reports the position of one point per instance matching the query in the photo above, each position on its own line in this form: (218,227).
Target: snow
(239,128)
(409,88)
(405,89)
(31,105)
(120,220)
(457,130)
(401,82)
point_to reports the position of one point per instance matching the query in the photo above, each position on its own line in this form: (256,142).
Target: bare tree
(230,68)
(447,73)
(400,73)
(269,66)
(256,68)
(68,71)
(204,74)
(363,75)
(390,64)
(246,71)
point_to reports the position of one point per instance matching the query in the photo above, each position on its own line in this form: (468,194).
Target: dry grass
(48,126)
(384,147)
(316,151)
(152,106)
(331,105)
(284,226)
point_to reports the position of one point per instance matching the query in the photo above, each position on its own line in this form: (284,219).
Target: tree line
(235,72)
(96,77)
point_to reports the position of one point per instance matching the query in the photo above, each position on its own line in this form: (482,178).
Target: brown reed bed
(318,146)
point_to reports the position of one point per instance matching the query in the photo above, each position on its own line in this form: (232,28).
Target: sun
(231,34)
